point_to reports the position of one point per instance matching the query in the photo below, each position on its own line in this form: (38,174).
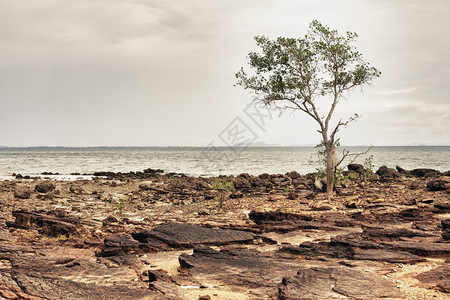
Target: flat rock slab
(336,283)
(245,270)
(172,235)
(386,256)
(438,278)
(441,250)
(180,235)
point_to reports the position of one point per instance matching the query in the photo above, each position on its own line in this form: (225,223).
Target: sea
(198,161)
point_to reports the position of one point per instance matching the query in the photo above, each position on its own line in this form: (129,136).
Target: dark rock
(154,275)
(386,173)
(445,224)
(204,297)
(441,184)
(49,225)
(22,193)
(262,217)
(336,282)
(358,168)
(264,176)
(425,172)
(121,244)
(188,235)
(446,229)
(153,171)
(110,220)
(293,174)
(44,187)
(438,278)
(319,250)
(401,170)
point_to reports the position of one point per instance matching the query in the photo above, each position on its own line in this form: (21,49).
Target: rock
(386,173)
(121,244)
(275,216)
(425,172)
(293,174)
(255,181)
(420,248)
(393,232)
(44,187)
(22,193)
(358,168)
(321,206)
(438,278)
(401,170)
(239,267)
(441,184)
(204,297)
(188,235)
(76,189)
(49,225)
(336,282)
(264,176)
(446,229)
(386,255)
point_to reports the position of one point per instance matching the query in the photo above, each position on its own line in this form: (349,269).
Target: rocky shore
(152,235)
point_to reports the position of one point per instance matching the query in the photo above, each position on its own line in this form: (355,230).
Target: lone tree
(303,73)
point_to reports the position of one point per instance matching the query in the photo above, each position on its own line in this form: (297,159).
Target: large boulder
(357,168)
(386,173)
(293,174)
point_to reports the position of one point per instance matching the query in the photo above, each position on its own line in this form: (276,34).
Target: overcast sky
(161,73)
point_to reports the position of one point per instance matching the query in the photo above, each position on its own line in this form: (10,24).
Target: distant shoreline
(201,147)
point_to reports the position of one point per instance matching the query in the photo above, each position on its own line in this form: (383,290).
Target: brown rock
(188,235)
(48,224)
(386,256)
(441,184)
(422,172)
(438,278)
(336,282)
(421,248)
(44,187)
(22,193)
(386,173)
(293,174)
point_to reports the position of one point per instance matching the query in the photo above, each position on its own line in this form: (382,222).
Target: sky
(162,73)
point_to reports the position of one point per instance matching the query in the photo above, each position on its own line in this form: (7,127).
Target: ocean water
(204,161)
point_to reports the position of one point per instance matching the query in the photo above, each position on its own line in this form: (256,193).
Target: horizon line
(224,146)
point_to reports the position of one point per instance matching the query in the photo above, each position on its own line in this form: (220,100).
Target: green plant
(223,187)
(120,206)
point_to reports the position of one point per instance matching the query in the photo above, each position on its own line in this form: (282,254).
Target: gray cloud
(162,72)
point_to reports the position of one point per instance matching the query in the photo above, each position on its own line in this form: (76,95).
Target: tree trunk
(331,164)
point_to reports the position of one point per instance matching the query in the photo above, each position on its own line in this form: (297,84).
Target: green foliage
(120,206)
(299,70)
(294,73)
(222,187)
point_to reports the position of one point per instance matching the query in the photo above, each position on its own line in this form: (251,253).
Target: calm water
(203,161)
